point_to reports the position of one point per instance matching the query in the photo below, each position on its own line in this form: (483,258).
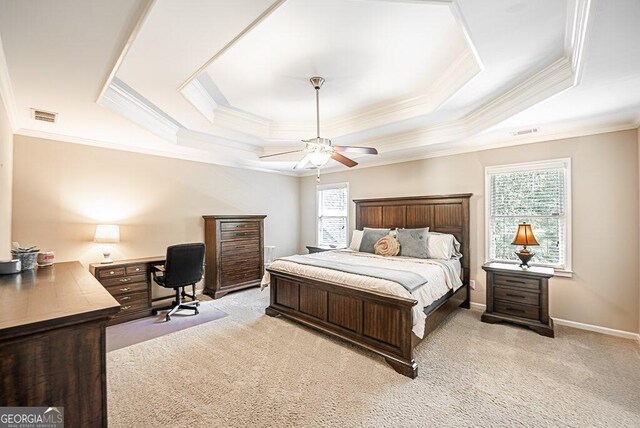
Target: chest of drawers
(234,253)
(519,296)
(129,282)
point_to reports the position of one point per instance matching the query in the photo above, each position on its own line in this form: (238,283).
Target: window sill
(563,273)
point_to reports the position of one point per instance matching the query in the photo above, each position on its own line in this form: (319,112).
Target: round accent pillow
(387,246)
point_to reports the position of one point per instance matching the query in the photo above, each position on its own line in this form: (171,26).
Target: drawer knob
(124,280)
(125,298)
(124,308)
(137,269)
(124,289)
(514,309)
(515,282)
(515,295)
(111,272)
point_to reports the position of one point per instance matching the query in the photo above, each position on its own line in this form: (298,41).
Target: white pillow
(440,246)
(356,239)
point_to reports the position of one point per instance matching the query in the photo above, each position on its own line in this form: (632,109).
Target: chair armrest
(157,272)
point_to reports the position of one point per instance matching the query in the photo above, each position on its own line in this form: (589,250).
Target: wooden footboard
(378,322)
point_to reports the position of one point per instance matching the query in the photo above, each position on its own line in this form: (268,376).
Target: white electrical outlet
(472,283)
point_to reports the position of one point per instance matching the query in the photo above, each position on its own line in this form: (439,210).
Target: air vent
(44,116)
(524,132)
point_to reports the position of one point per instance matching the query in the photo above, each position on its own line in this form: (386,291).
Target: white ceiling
(370,53)
(225,81)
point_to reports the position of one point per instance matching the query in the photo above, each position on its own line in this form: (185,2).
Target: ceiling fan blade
(353,149)
(303,162)
(343,160)
(282,153)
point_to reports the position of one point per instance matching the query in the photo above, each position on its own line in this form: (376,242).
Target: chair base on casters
(178,304)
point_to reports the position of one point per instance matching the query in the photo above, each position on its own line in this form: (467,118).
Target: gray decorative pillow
(413,242)
(370,237)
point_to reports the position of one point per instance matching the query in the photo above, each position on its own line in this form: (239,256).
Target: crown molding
(137,26)
(186,137)
(200,98)
(274,6)
(550,81)
(193,154)
(6,91)
(578,14)
(495,144)
(123,100)
(457,74)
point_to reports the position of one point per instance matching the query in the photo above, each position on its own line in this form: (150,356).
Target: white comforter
(440,279)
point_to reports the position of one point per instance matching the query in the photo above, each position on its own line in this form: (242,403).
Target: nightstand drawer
(517,296)
(516,281)
(517,310)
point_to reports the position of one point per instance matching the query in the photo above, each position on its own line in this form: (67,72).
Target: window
(538,193)
(333,208)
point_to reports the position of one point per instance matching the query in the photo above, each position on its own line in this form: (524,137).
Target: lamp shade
(107,233)
(524,235)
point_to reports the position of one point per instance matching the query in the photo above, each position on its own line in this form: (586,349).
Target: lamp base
(107,257)
(525,257)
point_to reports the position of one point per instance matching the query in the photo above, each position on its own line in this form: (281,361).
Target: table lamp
(524,237)
(107,234)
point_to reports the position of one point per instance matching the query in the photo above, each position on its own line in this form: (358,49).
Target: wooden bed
(379,322)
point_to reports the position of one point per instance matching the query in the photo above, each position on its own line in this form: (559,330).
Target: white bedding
(440,279)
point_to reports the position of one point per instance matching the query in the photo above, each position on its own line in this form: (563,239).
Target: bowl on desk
(8,267)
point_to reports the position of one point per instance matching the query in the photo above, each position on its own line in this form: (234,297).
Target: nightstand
(320,248)
(519,296)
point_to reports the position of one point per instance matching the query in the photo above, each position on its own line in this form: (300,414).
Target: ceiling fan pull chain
(318,176)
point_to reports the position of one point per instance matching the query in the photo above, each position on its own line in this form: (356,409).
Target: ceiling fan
(319,150)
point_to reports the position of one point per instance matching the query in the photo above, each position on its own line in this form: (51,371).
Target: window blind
(333,210)
(535,196)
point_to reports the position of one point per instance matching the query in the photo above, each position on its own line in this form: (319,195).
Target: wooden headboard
(443,213)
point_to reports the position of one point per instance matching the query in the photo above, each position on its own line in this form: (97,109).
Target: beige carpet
(249,370)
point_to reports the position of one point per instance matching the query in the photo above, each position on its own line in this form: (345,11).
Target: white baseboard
(598,329)
(478,306)
(579,325)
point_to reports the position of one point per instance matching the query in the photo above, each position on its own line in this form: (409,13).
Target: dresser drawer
(239,226)
(241,246)
(242,258)
(517,310)
(136,269)
(517,296)
(124,280)
(110,273)
(516,281)
(238,277)
(240,235)
(133,298)
(123,289)
(229,266)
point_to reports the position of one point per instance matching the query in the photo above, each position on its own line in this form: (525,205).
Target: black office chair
(184,266)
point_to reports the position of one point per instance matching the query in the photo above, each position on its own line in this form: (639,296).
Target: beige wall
(61,191)
(604,290)
(6,175)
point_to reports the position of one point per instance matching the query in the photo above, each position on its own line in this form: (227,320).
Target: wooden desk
(129,282)
(52,342)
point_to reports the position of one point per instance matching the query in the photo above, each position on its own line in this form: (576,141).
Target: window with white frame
(333,212)
(538,193)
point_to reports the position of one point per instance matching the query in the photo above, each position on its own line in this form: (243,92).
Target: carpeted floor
(249,370)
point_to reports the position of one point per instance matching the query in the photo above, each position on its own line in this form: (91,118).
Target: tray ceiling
(224,82)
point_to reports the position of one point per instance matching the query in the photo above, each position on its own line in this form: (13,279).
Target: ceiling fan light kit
(319,150)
